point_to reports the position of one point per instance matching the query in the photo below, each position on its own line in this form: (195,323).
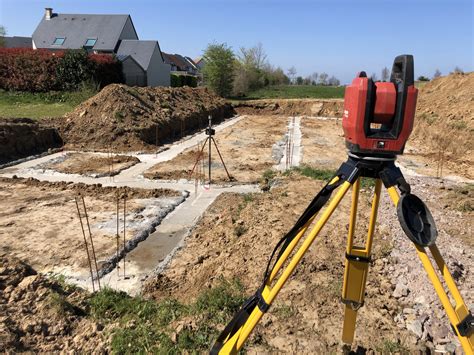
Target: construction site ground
(92,164)
(186,239)
(246,149)
(39,222)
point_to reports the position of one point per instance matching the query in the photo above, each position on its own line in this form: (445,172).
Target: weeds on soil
(145,326)
(324,174)
(313,173)
(391,347)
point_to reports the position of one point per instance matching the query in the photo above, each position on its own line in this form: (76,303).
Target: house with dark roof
(16,42)
(143,62)
(180,64)
(199,62)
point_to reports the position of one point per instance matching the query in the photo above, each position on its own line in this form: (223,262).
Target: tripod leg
(459,315)
(269,292)
(199,157)
(357,264)
(222,160)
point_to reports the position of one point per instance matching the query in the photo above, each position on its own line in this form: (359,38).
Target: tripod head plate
(416,220)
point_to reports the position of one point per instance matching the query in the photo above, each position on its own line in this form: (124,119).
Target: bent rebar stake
(92,242)
(86,244)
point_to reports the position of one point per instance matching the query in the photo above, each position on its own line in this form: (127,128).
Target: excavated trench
(23,137)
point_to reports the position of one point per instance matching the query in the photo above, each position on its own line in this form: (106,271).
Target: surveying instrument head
(378,116)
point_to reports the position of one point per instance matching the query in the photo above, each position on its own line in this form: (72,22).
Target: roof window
(58,41)
(90,42)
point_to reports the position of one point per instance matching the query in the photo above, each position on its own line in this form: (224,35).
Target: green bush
(73,69)
(178,80)
(30,70)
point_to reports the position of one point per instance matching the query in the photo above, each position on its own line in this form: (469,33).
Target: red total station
(378,116)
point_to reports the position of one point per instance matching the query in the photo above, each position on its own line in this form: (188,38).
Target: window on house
(58,41)
(90,42)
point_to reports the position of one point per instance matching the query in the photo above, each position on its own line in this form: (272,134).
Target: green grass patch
(324,174)
(269,174)
(285,311)
(391,347)
(297,92)
(41,105)
(313,173)
(143,326)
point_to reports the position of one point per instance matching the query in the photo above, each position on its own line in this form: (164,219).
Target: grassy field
(297,92)
(40,105)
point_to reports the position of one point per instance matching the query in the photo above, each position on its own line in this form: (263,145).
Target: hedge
(183,80)
(42,70)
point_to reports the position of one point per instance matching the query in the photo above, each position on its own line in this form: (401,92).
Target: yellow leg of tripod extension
(357,264)
(270,293)
(457,313)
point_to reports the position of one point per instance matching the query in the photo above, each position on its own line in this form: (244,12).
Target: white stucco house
(142,61)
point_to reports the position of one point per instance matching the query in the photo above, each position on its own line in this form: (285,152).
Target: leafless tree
(458,70)
(373,77)
(323,78)
(291,74)
(307,80)
(437,74)
(385,74)
(254,57)
(314,78)
(333,81)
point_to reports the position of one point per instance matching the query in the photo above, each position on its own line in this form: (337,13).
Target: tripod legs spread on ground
(349,175)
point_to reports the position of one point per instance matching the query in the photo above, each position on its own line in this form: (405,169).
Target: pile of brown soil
(94,190)
(39,315)
(445,121)
(123,118)
(21,137)
(291,107)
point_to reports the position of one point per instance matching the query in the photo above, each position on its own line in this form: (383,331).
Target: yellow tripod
(416,221)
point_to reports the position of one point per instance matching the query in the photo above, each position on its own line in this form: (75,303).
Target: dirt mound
(40,315)
(94,190)
(445,121)
(21,137)
(291,107)
(124,118)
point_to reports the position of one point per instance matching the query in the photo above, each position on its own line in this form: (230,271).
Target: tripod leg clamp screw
(361,259)
(466,327)
(353,304)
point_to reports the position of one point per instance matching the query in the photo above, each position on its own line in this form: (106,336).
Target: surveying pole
(377,121)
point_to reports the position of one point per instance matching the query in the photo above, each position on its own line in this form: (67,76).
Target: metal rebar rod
(85,244)
(92,242)
(111,165)
(124,232)
(117,236)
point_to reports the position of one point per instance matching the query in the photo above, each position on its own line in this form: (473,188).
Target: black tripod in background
(210,132)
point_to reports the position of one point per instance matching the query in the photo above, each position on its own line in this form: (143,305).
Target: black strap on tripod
(346,172)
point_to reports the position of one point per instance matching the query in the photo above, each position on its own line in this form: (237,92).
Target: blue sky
(340,37)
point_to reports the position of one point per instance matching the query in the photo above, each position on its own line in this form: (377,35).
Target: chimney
(48,13)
